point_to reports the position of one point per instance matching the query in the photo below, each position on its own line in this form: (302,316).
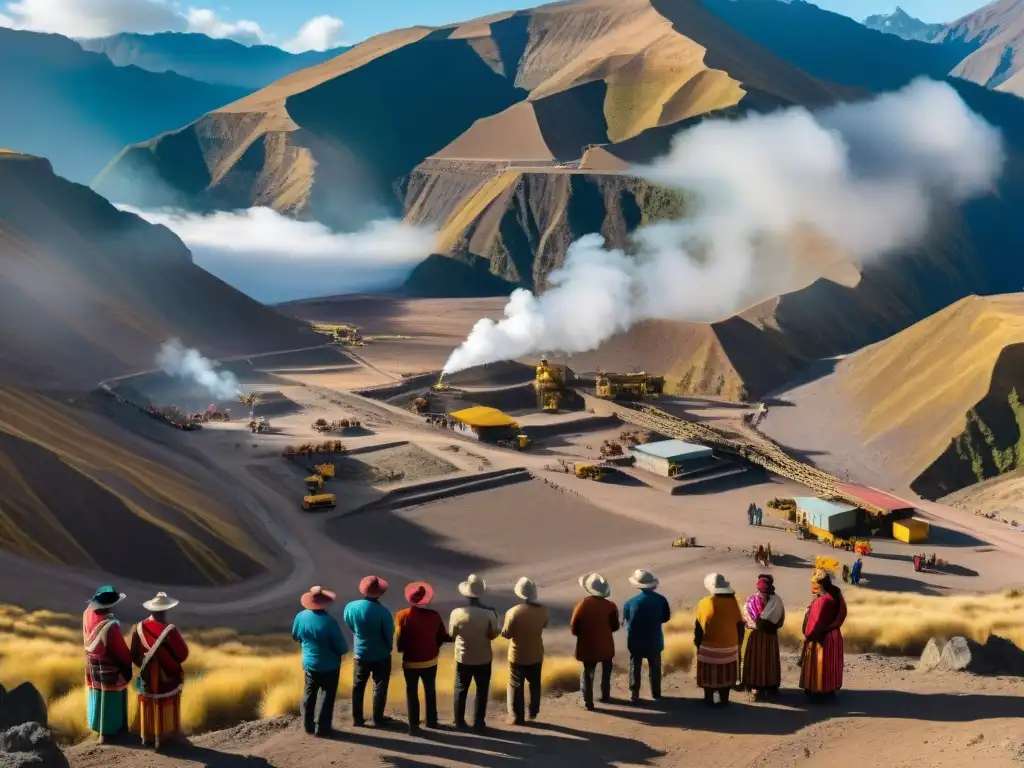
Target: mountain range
(513,135)
(902,24)
(217,61)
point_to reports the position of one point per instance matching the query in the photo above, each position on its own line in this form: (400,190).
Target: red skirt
(822,670)
(762,667)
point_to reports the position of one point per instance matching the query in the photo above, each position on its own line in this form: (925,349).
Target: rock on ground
(24,704)
(30,745)
(997,656)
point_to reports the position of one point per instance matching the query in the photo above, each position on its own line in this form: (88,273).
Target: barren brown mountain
(996,31)
(86,293)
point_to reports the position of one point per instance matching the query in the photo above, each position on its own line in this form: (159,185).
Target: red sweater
(419,635)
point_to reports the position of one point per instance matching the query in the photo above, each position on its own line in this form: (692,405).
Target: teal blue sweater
(323,645)
(373,629)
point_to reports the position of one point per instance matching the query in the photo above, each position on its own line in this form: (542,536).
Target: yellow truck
(319,501)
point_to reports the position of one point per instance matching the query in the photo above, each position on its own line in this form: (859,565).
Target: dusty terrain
(888,716)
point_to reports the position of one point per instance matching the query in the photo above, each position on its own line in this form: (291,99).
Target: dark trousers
(636,672)
(480,675)
(412,695)
(318,700)
(519,676)
(587,675)
(361,673)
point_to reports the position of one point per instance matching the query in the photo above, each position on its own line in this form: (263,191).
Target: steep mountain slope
(996,33)
(218,61)
(88,292)
(943,394)
(535,87)
(78,109)
(902,24)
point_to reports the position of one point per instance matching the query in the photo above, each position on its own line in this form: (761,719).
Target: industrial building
(489,425)
(875,502)
(827,516)
(671,458)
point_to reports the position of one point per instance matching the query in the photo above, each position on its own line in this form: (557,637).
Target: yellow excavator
(319,501)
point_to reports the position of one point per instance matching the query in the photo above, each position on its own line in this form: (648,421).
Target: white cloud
(99,18)
(93,18)
(274,258)
(206,22)
(318,34)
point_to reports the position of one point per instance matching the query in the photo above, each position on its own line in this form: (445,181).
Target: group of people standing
(158,651)
(418,633)
(755,514)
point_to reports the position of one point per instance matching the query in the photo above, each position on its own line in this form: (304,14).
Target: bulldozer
(314,483)
(326,471)
(319,501)
(628,386)
(549,383)
(582,471)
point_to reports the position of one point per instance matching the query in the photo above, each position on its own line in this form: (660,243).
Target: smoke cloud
(274,258)
(862,177)
(176,360)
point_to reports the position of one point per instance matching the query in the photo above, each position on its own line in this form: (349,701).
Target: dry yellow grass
(233,678)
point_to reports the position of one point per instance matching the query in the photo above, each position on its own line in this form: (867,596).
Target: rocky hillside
(995,34)
(86,293)
(533,87)
(79,110)
(218,61)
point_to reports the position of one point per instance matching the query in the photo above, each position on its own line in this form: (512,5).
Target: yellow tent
(481,416)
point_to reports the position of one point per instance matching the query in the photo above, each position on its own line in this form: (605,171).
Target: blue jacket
(323,645)
(373,629)
(643,616)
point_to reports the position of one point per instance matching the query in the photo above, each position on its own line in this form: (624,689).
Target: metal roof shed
(670,458)
(831,516)
(674,450)
(875,500)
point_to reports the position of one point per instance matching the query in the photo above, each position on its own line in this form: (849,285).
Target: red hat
(418,593)
(372,586)
(317,598)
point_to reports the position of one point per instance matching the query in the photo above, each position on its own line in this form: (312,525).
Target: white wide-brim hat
(595,584)
(525,589)
(160,603)
(717,584)
(642,579)
(473,586)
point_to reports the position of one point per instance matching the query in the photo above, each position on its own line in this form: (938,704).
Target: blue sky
(364,18)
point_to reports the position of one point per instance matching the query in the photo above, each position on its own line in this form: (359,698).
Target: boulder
(997,656)
(23,704)
(30,745)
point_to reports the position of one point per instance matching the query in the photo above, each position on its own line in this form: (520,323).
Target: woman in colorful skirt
(718,635)
(108,666)
(822,659)
(764,615)
(159,651)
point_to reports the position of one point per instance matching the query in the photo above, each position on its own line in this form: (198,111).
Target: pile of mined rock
(24,738)
(996,656)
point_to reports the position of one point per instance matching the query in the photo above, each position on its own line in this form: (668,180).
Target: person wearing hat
(718,634)
(473,627)
(821,668)
(159,650)
(764,615)
(108,666)
(594,620)
(323,646)
(419,634)
(373,634)
(644,614)
(524,629)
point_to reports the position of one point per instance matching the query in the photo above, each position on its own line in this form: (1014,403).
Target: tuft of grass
(232,678)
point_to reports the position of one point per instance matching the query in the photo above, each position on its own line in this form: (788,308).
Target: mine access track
(761,452)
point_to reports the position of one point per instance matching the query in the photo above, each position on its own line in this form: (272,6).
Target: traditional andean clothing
(764,614)
(717,636)
(108,672)
(159,650)
(822,667)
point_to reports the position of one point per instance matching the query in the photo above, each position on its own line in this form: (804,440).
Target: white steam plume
(274,258)
(175,360)
(863,176)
